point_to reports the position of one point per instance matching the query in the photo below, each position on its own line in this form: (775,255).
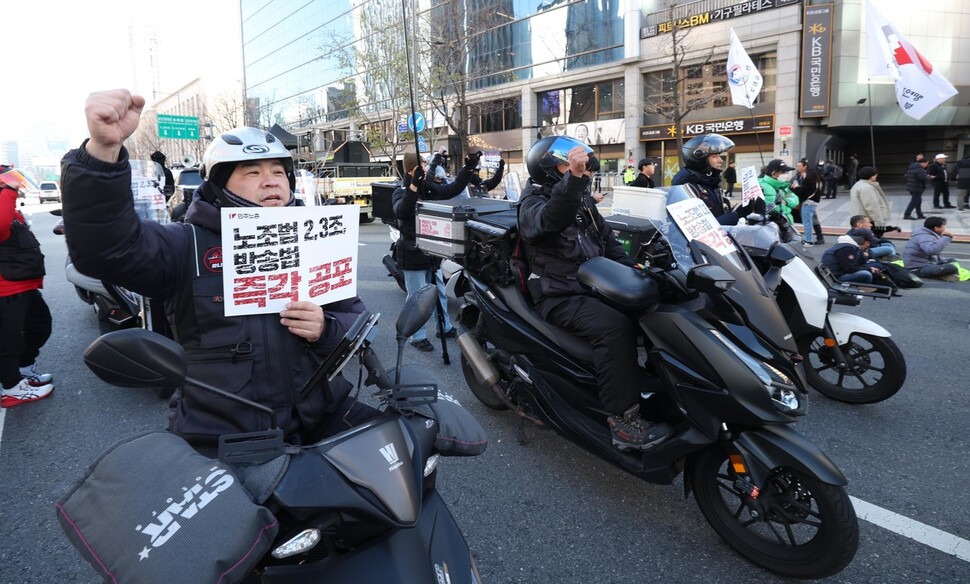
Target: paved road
(546,511)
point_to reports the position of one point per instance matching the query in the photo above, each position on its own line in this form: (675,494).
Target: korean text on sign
(278,255)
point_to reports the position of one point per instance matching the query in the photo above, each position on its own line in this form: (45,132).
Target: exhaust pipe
(485,372)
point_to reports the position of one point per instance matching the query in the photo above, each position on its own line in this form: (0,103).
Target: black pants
(941,189)
(614,341)
(915,204)
(25,325)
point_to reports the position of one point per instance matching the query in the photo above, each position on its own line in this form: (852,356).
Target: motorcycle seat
(517,301)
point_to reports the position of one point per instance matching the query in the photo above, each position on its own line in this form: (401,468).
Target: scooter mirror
(781,255)
(136,358)
(56,212)
(710,279)
(417,310)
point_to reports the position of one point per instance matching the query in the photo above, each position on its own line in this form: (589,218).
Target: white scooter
(847,358)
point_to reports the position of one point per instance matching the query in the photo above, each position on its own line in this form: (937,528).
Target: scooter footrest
(251,447)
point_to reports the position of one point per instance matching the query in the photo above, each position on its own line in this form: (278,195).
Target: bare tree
(374,94)
(687,86)
(462,53)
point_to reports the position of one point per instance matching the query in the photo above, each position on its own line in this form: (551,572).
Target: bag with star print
(152,509)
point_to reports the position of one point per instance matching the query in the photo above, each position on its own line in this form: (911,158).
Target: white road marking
(3,412)
(914,530)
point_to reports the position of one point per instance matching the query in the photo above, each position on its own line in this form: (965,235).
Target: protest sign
(273,256)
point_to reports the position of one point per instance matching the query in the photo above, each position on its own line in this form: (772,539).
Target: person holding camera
(419,268)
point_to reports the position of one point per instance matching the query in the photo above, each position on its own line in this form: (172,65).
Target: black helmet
(550,152)
(158,157)
(696,150)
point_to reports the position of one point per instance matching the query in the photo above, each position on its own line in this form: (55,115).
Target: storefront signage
(816,61)
(739,125)
(715,15)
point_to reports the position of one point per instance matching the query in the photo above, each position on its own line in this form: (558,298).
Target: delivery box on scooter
(440,226)
(631,231)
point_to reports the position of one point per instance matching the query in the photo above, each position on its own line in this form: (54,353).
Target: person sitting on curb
(847,260)
(922,252)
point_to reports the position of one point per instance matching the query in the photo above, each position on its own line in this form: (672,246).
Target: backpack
(901,276)
(837,172)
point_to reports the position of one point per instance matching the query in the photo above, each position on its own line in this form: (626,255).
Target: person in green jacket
(777,191)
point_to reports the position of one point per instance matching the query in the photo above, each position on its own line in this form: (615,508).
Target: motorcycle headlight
(300,543)
(778,385)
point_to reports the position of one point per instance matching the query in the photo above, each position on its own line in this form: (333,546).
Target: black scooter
(721,367)
(360,506)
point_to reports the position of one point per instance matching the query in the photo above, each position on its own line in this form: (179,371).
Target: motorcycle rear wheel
(802,528)
(875,371)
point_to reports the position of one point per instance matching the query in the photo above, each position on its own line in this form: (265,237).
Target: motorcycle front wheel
(873,368)
(795,525)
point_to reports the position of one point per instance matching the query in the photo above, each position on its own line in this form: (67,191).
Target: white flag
(743,76)
(919,87)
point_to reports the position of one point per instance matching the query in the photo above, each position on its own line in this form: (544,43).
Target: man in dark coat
(561,229)
(961,174)
(647,168)
(267,358)
(941,184)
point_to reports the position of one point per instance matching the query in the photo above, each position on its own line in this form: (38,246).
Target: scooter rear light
(829,342)
(301,543)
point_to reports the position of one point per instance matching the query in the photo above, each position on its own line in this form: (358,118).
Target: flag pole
(872,140)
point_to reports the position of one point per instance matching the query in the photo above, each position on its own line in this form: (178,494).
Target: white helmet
(240,144)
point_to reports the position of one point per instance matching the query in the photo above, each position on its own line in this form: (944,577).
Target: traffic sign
(416,122)
(178,127)
(784,130)
(402,127)
(422,145)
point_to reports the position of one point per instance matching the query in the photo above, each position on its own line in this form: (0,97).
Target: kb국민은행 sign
(276,255)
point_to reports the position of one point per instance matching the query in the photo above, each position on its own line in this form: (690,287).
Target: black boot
(819,238)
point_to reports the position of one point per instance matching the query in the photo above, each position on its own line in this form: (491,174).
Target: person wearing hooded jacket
(847,260)
(561,228)
(922,252)
(158,157)
(777,191)
(267,358)
(419,268)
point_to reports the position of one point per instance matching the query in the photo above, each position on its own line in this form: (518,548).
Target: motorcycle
(721,368)
(360,506)
(847,358)
(117,307)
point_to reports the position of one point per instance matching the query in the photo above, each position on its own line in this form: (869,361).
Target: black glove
(438,160)
(501,164)
(406,180)
(472,160)
(417,177)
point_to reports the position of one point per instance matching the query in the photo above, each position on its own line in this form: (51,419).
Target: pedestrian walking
(730,177)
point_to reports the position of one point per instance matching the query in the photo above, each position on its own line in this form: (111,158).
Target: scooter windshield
(687,218)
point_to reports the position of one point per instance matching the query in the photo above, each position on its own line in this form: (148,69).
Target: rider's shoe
(36,377)
(630,431)
(24,392)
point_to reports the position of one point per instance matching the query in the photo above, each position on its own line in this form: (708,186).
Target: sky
(63,51)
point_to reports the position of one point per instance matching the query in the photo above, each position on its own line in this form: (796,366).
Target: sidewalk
(834,214)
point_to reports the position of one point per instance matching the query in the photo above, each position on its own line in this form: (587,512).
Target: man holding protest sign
(276,285)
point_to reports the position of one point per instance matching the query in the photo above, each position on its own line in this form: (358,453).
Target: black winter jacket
(844,258)
(404,201)
(561,229)
(939,173)
(252,356)
(961,172)
(915,178)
